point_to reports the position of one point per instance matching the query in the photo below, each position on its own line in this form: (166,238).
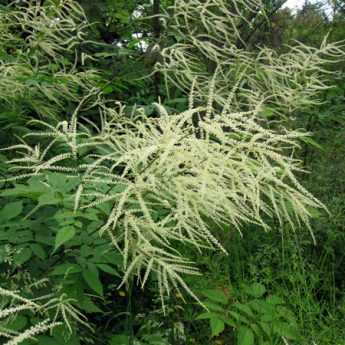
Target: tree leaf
(245,309)
(11,211)
(38,251)
(215,295)
(91,277)
(245,336)
(217,326)
(87,305)
(64,235)
(214,306)
(256,290)
(23,255)
(205,316)
(48,199)
(108,269)
(65,269)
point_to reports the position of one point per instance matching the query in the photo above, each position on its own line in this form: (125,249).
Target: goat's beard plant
(179,179)
(213,48)
(169,182)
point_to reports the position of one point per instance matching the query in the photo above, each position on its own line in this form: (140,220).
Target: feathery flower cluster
(9,308)
(170,183)
(173,181)
(212,51)
(34,68)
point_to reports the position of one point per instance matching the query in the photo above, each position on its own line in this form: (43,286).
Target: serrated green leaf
(64,235)
(214,306)
(48,199)
(285,329)
(244,308)
(274,300)
(108,269)
(65,269)
(230,322)
(215,295)
(312,142)
(205,316)
(22,256)
(87,305)
(91,277)
(245,336)
(11,210)
(217,326)
(17,323)
(38,251)
(256,290)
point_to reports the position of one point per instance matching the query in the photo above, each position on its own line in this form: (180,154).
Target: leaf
(205,316)
(240,318)
(274,300)
(59,334)
(267,112)
(17,323)
(113,257)
(312,142)
(230,322)
(108,89)
(266,327)
(215,295)
(11,211)
(108,269)
(33,191)
(119,340)
(256,290)
(64,235)
(38,251)
(217,326)
(244,308)
(65,269)
(91,277)
(214,306)
(23,255)
(286,330)
(20,236)
(87,305)
(314,213)
(245,336)
(62,183)
(48,199)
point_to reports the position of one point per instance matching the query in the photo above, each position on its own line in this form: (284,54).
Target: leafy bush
(258,320)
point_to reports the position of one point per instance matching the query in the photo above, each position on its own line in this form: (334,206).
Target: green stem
(129,321)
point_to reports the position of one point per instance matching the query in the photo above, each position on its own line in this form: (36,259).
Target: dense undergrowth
(181,186)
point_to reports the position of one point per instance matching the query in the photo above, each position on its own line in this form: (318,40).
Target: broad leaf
(215,295)
(91,277)
(65,269)
(245,336)
(217,326)
(64,235)
(11,211)
(22,256)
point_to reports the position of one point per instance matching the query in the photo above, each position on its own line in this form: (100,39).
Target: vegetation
(171,172)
